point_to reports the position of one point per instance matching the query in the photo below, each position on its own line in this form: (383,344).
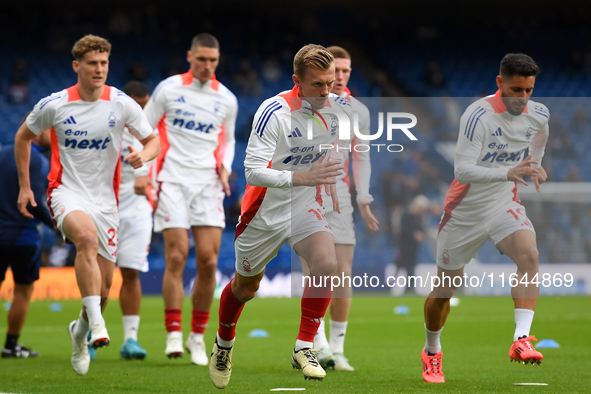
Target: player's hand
(331,190)
(539,179)
(26,196)
(522,169)
(319,174)
(141,184)
(370,219)
(223,175)
(134,158)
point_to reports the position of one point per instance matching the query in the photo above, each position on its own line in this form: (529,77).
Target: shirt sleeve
(229,143)
(155,108)
(259,153)
(538,145)
(361,160)
(468,150)
(136,121)
(43,114)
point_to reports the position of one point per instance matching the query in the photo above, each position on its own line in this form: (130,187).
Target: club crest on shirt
(112,119)
(528,133)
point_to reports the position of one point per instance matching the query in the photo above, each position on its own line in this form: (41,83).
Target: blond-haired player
(285,170)
(87,122)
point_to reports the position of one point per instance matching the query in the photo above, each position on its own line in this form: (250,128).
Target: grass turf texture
(383,347)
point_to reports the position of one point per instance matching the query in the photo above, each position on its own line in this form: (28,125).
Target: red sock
(314,304)
(172,319)
(199,321)
(230,310)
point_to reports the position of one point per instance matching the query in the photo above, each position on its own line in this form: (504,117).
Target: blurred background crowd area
(428,49)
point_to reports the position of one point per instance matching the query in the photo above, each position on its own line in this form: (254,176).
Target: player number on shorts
(112,233)
(520,212)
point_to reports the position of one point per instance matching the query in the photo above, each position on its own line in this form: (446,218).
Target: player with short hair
(496,132)
(282,203)
(195,115)
(331,355)
(20,243)
(87,122)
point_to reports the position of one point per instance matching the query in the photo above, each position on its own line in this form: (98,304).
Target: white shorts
(186,206)
(256,247)
(459,241)
(342,226)
(107,223)
(135,236)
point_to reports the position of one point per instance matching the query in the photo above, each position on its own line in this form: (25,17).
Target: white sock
(523,320)
(226,344)
(131,324)
(92,304)
(338,330)
(197,337)
(81,329)
(320,340)
(303,345)
(433,343)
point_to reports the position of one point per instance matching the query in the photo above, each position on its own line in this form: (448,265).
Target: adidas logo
(70,120)
(295,133)
(498,133)
(180,100)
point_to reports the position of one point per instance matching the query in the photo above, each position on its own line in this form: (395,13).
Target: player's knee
(246,290)
(87,241)
(129,275)
(207,264)
(176,260)
(324,267)
(529,260)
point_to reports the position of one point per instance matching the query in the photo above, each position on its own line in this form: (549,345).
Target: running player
(87,122)
(135,234)
(332,355)
(195,115)
(496,132)
(280,204)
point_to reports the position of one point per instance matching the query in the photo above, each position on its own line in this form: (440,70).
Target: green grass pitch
(383,347)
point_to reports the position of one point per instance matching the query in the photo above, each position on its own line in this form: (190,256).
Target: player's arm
(227,146)
(22,156)
(38,177)
(138,125)
(362,173)
(537,149)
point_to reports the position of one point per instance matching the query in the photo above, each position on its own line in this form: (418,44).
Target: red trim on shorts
(251,202)
(319,194)
(117,178)
(347,179)
(515,196)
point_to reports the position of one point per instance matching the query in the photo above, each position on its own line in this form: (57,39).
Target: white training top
(86,141)
(278,147)
(131,204)
(361,161)
(196,128)
(491,142)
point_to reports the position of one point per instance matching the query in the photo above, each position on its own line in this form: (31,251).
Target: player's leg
(521,247)
(240,290)
(436,310)
(176,250)
(319,252)
(130,298)
(340,306)
(207,247)
(25,262)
